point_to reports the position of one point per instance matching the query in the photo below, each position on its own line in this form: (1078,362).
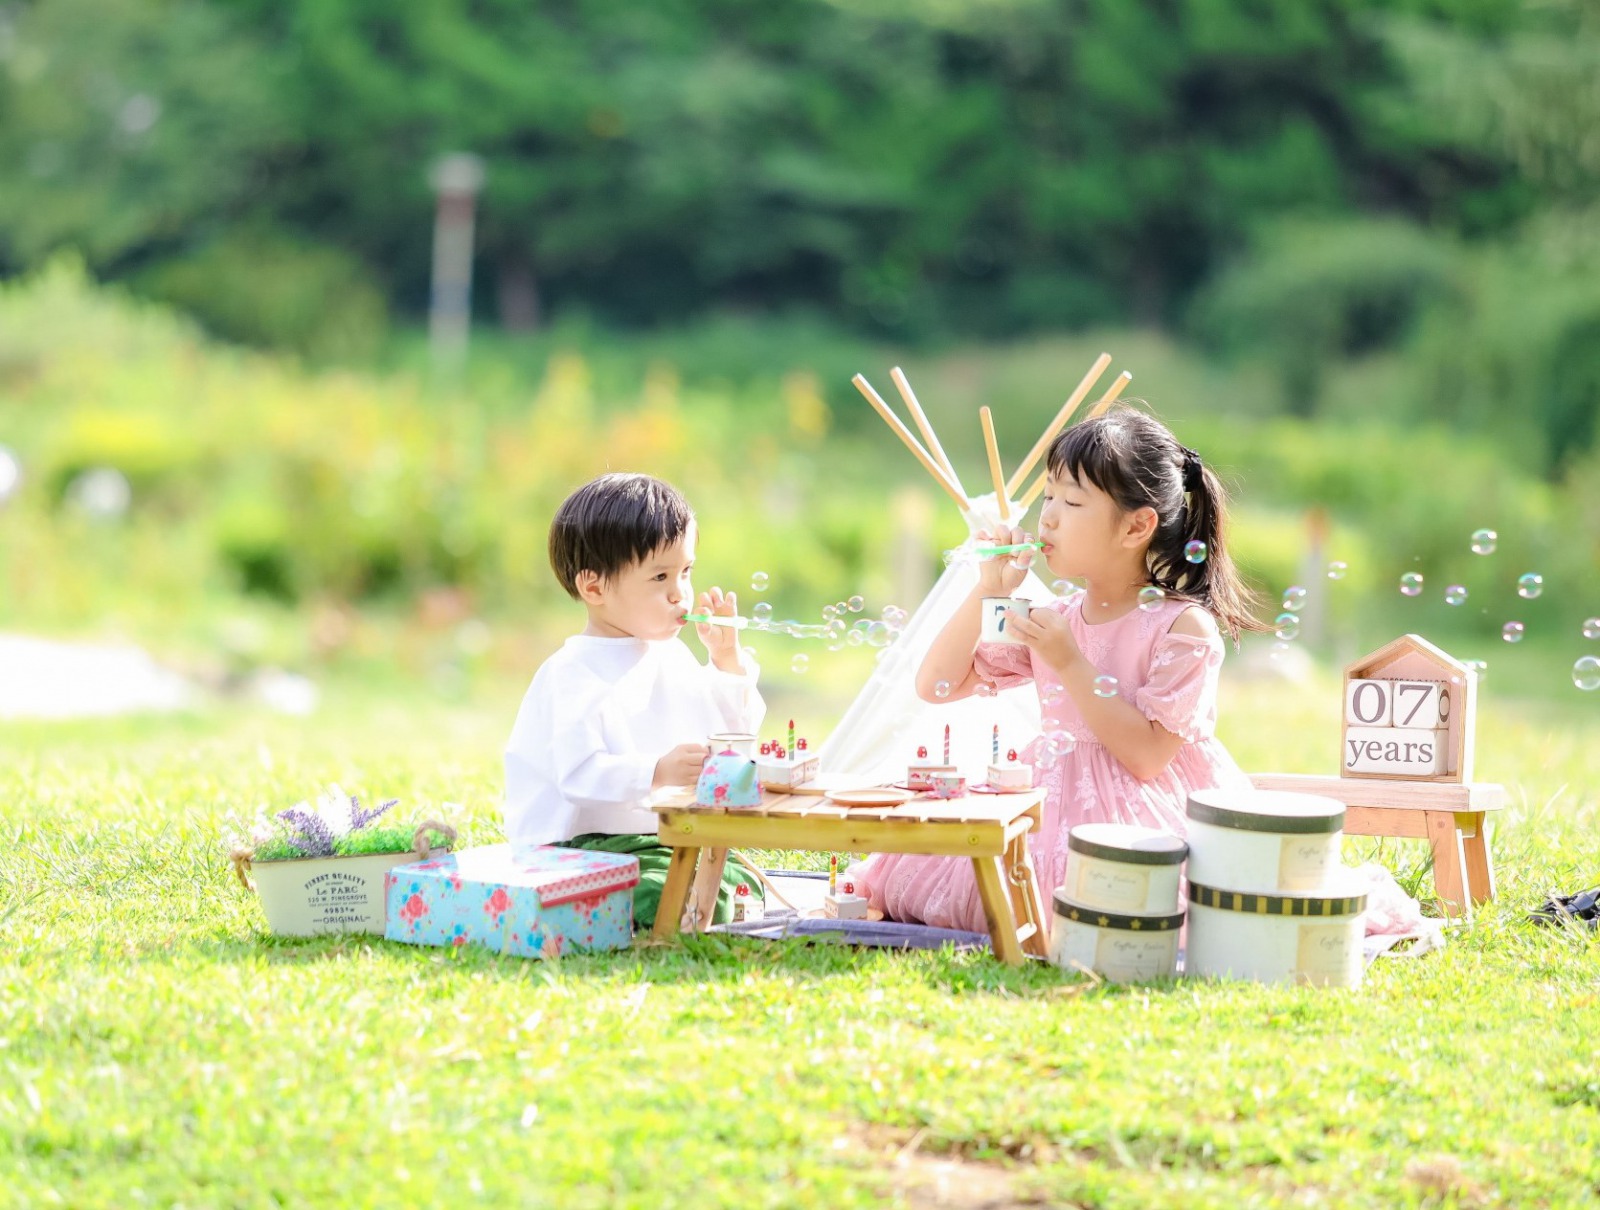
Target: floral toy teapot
(728,779)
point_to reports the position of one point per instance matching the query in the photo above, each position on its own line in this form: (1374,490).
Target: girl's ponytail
(1214,580)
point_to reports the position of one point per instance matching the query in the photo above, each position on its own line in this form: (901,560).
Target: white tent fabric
(881,731)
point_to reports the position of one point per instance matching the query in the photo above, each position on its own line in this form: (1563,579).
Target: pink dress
(1170,678)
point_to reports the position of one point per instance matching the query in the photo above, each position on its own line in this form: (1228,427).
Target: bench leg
(1480,865)
(1449,862)
(675,893)
(997,909)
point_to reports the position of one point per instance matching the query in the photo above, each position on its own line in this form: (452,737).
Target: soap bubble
(1591,628)
(10,474)
(1053,696)
(1483,541)
(1512,632)
(951,557)
(1151,598)
(1056,745)
(1195,551)
(800,664)
(855,638)
(985,689)
(762,612)
(758,582)
(941,689)
(102,492)
(1529,585)
(1336,570)
(1286,627)
(1105,686)
(829,613)
(1456,594)
(1278,651)
(1294,599)
(1479,667)
(1586,673)
(856,604)
(1411,584)
(878,634)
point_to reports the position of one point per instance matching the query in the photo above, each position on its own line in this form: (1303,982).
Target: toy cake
(843,901)
(786,765)
(1011,774)
(728,780)
(921,772)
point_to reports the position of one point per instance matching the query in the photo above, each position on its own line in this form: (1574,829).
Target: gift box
(534,902)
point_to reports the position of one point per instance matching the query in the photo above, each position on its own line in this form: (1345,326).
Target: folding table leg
(997,909)
(675,892)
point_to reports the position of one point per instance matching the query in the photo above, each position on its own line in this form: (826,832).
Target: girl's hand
(999,576)
(1046,632)
(722,642)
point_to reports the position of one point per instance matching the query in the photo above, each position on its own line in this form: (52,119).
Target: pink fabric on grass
(1170,678)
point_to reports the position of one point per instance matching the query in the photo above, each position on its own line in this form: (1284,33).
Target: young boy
(624,708)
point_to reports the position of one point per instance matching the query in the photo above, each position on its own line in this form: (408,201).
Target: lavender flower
(360,818)
(312,836)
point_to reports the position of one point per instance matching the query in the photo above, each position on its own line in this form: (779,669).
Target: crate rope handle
(419,838)
(240,857)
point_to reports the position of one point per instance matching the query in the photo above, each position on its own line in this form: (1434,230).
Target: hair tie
(1192,478)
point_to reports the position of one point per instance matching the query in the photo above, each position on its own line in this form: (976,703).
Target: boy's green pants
(653,860)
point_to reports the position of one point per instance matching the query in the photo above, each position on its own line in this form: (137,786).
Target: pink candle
(947,743)
(996,745)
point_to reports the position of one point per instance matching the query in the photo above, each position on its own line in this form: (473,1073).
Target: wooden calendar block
(1406,751)
(1420,705)
(1368,703)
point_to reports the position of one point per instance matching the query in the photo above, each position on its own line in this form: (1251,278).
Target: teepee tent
(881,731)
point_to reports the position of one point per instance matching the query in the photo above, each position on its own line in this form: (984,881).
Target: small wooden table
(991,829)
(1450,816)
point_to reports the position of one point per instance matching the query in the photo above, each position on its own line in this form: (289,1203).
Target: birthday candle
(833,873)
(791,737)
(996,746)
(947,743)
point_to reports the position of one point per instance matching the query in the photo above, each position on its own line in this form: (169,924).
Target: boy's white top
(599,715)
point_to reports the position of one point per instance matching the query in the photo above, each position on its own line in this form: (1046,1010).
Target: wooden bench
(990,829)
(1450,816)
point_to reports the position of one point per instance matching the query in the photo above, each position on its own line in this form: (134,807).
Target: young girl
(1126,671)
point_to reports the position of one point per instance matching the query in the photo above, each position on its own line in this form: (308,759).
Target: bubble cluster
(1195,551)
(1456,594)
(1529,585)
(1512,632)
(1483,541)
(1411,584)
(1151,598)
(758,582)
(1105,686)
(1591,628)
(800,664)
(1287,627)
(1586,673)
(1294,599)
(1337,570)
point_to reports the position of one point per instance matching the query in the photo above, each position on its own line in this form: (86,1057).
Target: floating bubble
(951,557)
(10,474)
(1053,696)
(855,637)
(1483,541)
(1529,585)
(892,614)
(1591,628)
(808,630)
(829,613)
(1586,673)
(841,607)
(1480,668)
(758,582)
(762,611)
(102,492)
(800,664)
(1294,599)
(878,634)
(1336,570)
(1151,598)
(985,689)
(1286,627)
(1411,584)
(1456,594)
(1512,632)
(1057,744)
(941,689)
(856,604)
(1195,551)
(1279,651)
(1105,686)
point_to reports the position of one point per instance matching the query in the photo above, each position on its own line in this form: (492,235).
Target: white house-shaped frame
(1409,713)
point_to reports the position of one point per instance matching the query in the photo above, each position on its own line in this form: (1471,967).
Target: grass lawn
(158,1048)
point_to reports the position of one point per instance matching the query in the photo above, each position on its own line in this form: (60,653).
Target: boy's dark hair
(614,522)
(1136,460)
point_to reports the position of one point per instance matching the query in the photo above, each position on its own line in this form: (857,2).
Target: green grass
(158,1048)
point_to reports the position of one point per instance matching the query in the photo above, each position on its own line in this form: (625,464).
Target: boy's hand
(681,766)
(1046,632)
(721,641)
(999,576)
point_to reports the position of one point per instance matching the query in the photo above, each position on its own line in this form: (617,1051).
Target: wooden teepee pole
(993,448)
(903,385)
(1056,425)
(1104,402)
(911,442)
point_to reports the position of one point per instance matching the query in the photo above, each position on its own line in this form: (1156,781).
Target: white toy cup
(995,621)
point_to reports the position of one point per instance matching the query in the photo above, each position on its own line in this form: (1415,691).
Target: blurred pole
(912,520)
(1313,574)
(455,180)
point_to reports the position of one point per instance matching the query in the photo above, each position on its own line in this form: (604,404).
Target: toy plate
(880,797)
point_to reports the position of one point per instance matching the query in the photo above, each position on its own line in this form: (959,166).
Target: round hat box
(1118,867)
(1312,939)
(1263,840)
(1119,948)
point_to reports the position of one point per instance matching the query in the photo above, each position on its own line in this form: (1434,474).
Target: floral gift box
(534,902)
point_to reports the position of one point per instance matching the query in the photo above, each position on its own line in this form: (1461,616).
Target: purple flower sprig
(311,833)
(360,817)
